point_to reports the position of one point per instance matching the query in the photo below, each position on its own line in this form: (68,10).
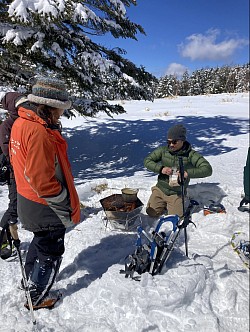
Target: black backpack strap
(5,169)
(6,230)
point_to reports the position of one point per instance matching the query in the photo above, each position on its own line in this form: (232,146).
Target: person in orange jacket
(47,201)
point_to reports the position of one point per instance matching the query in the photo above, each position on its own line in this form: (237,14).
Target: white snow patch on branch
(16,37)
(84,13)
(21,8)
(120,6)
(130,79)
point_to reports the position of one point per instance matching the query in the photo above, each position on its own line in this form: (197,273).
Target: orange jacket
(34,149)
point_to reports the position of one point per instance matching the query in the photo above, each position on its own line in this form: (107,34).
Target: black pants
(11,213)
(46,245)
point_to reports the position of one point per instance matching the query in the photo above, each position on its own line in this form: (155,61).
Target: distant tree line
(205,81)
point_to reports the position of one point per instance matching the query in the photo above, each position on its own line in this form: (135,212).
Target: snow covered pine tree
(61,37)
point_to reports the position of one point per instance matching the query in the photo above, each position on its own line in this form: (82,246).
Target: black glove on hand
(16,243)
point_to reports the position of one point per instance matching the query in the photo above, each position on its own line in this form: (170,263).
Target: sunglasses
(174,141)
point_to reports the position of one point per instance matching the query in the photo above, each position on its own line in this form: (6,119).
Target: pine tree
(184,84)
(242,78)
(168,86)
(195,87)
(53,37)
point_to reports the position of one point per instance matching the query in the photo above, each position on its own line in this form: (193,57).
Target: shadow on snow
(118,147)
(97,259)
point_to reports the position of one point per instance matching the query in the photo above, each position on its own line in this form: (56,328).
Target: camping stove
(122,215)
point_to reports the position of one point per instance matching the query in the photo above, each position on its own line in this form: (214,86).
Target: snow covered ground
(209,291)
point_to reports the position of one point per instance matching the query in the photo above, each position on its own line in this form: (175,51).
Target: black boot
(42,278)
(244,205)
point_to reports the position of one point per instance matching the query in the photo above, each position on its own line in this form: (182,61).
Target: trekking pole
(13,230)
(181,170)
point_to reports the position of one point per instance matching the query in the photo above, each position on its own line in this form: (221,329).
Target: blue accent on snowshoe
(174,219)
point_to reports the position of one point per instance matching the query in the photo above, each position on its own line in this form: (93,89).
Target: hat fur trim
(50,102)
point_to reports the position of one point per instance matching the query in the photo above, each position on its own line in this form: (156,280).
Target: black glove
(16,243)
(13,222)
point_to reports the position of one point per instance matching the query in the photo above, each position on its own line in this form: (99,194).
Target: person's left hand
(185,174)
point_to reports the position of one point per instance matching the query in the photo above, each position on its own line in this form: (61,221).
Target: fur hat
(50,92)
(177,132)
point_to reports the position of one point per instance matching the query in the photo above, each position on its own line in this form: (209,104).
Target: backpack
(4,169)
(9,104)
(6,247)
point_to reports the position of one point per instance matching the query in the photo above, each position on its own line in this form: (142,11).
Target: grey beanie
(50,92)
(177,132)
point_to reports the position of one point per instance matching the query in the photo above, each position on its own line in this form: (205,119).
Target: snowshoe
(213,208)
(153,250)
(241,246)
(48,302)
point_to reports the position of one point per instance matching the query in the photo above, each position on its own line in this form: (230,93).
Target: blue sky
(190,34)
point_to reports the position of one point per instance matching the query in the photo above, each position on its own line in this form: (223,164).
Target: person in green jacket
(244,204)
(164,161)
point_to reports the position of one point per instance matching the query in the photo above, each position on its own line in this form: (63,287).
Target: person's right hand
(167,171)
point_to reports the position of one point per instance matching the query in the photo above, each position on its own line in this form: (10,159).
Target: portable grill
(122,215)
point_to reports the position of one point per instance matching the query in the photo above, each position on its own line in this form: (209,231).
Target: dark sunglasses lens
(172,142)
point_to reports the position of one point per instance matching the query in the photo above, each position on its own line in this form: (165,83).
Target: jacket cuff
(161,169)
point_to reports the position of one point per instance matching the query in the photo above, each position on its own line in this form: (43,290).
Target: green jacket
(194,163)
(247,177)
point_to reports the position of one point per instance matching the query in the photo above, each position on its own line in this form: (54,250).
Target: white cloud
(205,47)
(175,69)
